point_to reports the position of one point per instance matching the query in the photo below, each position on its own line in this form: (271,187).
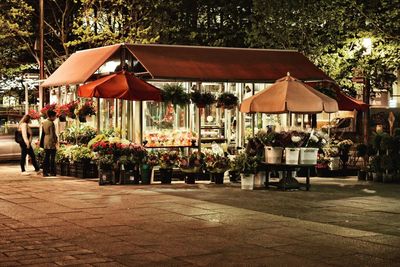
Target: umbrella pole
(329,128)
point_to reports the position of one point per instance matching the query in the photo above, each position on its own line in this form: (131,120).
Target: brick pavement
(72,222)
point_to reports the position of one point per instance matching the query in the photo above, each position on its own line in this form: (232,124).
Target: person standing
(26,145)
(50,144)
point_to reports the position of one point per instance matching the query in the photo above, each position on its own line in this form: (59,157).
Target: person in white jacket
(26,145)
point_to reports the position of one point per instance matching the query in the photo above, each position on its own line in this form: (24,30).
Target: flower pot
(292,155)
(190,177)
(82,118)
(218,177)
(166,175)
(334,163)
(146,173)
(362,175)
(233,176)
(129,177)
(259,179)
(273,155)
(106,177)
(247,181)
(308,155)
(62,118)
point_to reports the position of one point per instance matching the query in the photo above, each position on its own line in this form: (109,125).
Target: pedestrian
(49,144)
(26,144)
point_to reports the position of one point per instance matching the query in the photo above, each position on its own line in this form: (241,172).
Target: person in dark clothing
(50,144)
(26,145)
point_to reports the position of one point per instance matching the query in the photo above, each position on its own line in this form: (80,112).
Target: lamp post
(41,54)
(367,44)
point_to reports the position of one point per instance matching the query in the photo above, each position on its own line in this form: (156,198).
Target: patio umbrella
(121,85)
(289,95)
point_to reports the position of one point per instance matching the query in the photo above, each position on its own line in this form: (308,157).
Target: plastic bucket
(292,155)
(247,181)
(273,155)
(308,155)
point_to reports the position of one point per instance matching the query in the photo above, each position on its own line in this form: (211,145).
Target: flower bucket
(218,177)
(334,163)
(308,155)
(273,155)
(247,181)
(166,175)
(292,155)
(259,179)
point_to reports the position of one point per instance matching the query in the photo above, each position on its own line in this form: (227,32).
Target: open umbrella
(289,94)
(121,85)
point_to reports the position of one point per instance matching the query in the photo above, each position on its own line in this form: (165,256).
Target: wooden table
(288,181)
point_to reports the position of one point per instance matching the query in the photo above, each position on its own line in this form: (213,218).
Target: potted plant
(46,108)
(62,112)
(86,109)
(362,152)
(149,162)
(34,114)
(106,169)
(388,167)
(321,167)
(344,150)
(62,161)
(72,106)
(247,166)
(167,161)
(292,147)
(192,165)
(201,100)
(375,166)
(217,165)
(227,101)
(272,145)
(83,156)
(175,94)
(309,149)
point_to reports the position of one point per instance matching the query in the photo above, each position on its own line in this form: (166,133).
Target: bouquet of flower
(46,108)
(217,163)
(137,152)
(151,159)
(195,162)
(72,106)
(62,110)
(168,159)
(34,114)
(87,109)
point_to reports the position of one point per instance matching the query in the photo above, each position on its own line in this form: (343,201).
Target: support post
(366,113)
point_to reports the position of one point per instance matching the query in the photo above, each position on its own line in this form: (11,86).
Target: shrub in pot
(362,152)
(192,166)
(167,161)
(201,100)
(175,94)
(375,166)
(217,165)
(387,165)
(149,162)
(247,166)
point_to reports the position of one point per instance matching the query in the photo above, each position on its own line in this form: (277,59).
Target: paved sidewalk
(64,221)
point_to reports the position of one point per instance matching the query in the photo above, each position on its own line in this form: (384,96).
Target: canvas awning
(345,102)
(195,63)
(80,66)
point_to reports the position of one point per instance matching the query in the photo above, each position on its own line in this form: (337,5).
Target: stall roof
(195,63)
(80,66)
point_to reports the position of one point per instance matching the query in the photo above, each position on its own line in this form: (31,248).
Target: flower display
(62,110)
(195,162)
(180,137)
(46,108)
(34,114)
(72,106)
(168,159)
(87,109)
(216,163)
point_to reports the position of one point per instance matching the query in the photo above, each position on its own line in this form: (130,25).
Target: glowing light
(367,44)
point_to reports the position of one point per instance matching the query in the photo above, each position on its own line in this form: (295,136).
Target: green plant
(375,164)
(202,99)
(387,143)
(81,153)
(387,163)
(227,100)
(195,162)
(217,163)
(61,155)
(246,164)
(78,134)
(175,93)
(168,159)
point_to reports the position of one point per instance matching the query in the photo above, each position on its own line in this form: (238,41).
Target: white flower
(296,139)
(314,138)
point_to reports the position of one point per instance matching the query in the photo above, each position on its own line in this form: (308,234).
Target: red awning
(192,63)
(80,66)
(345,102)
(122,85)
(223,64)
